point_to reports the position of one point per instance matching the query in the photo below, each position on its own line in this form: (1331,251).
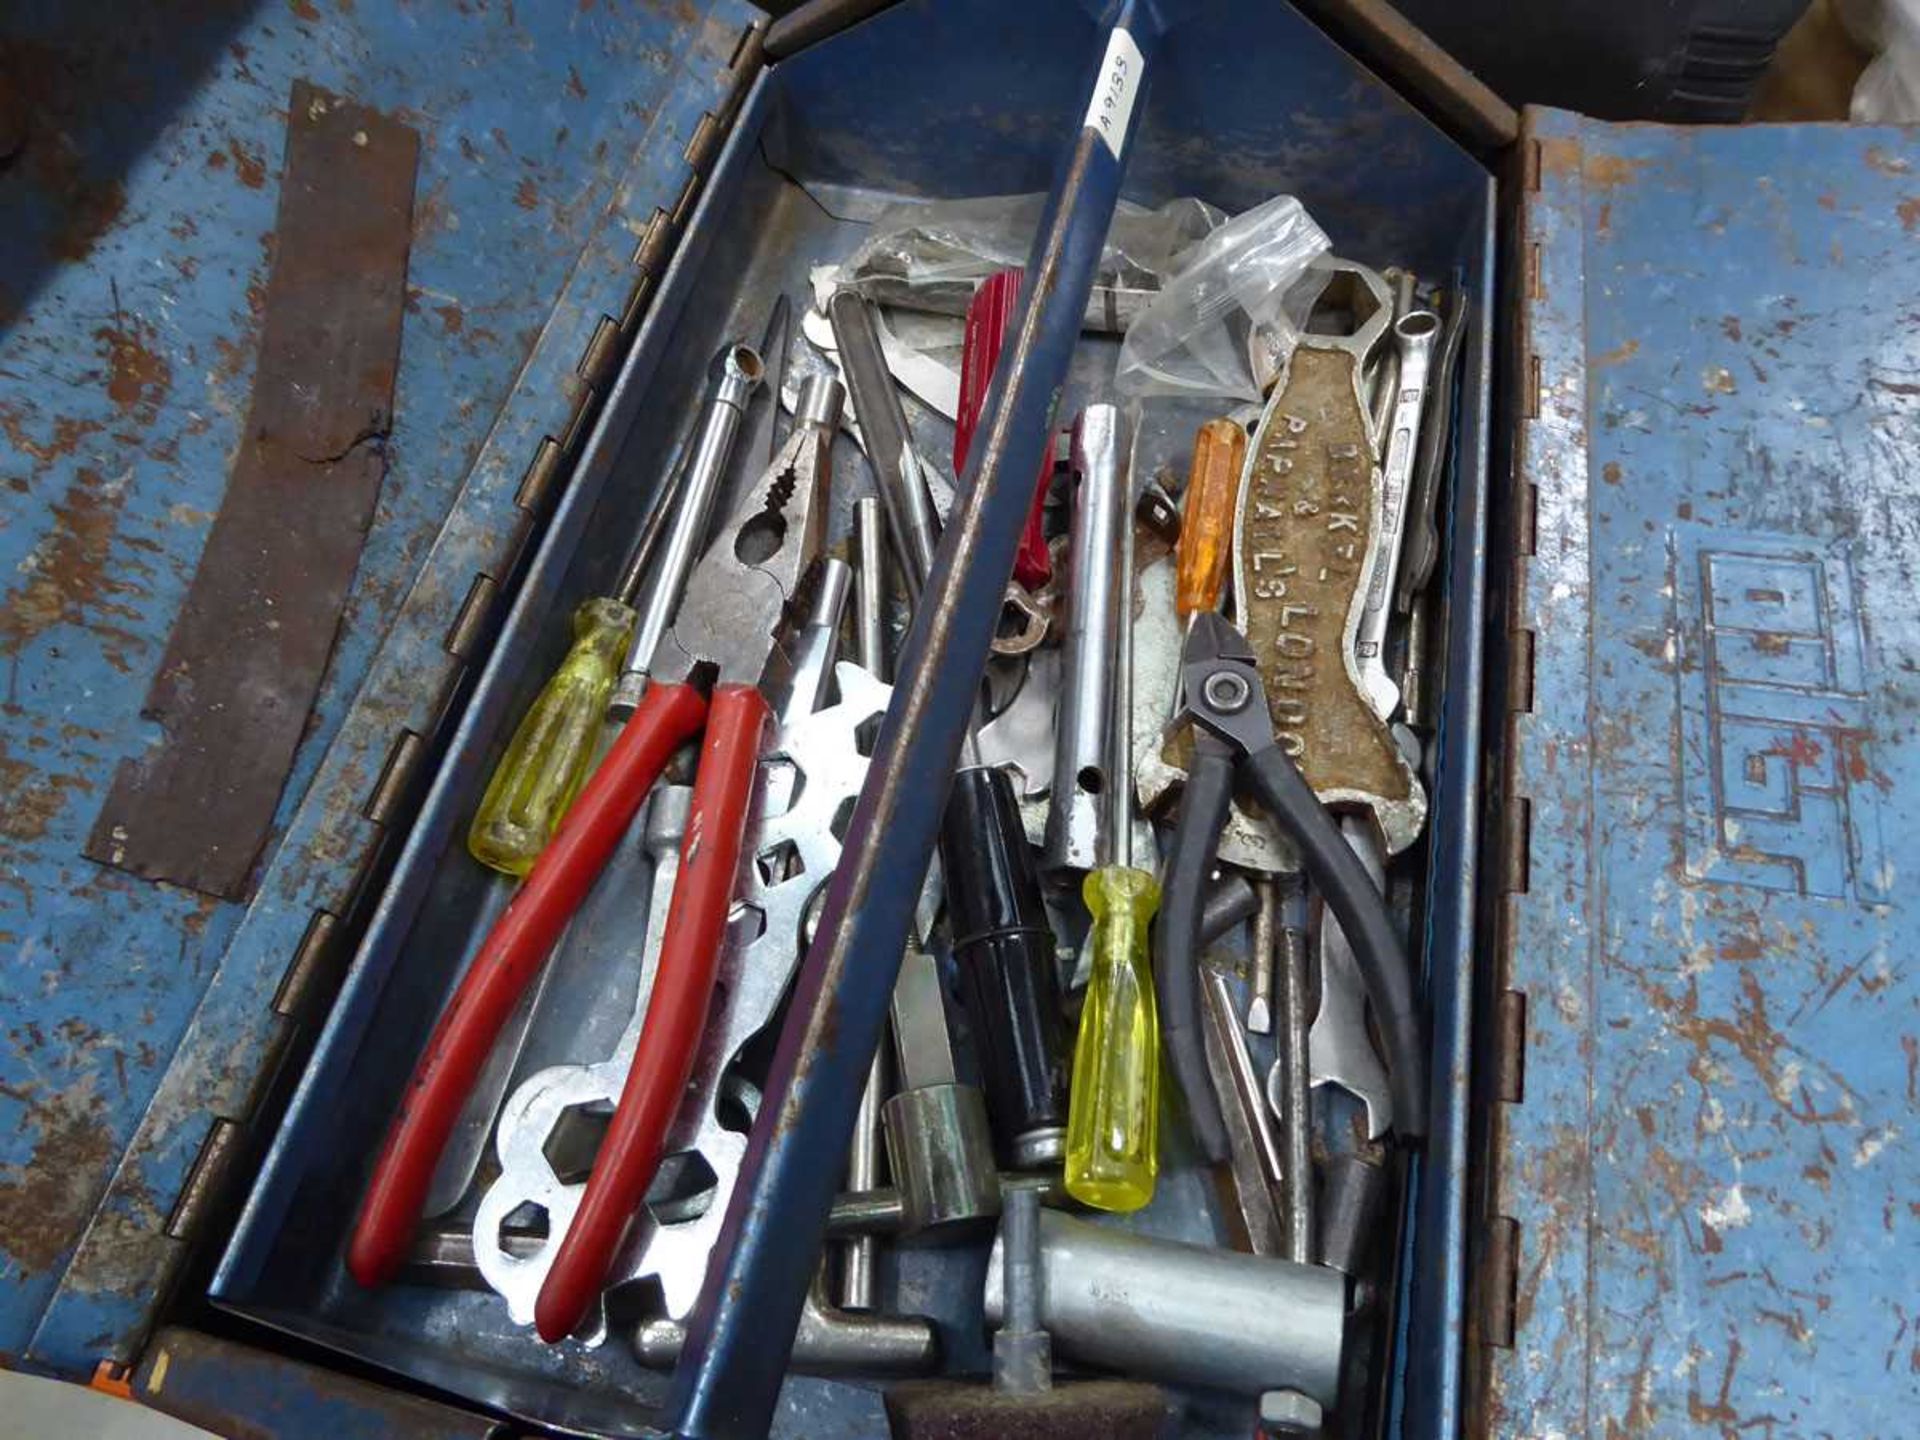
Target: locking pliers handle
(1222,695)
(1179,932)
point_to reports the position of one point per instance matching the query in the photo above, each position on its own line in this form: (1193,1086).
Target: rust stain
(431,211)
(526,194)
(576,87)
(30,799)
(138,375)
(234,358)
(1909,212)
(1886,162)
(1802,750)
(1610,472)
(1618,355)
(452,317)
(216,160)
(1608,172)
(1560,1174)
(1749,1032)
(1559,156)
(1730,327)
(1911,1045)
(1640,1416)
(304,9)
(65,439)
(84,207)
(1720,1411)
(1827,200)
(248,165)
(44,1203)
(68,572)
(90,215)
(1853,760)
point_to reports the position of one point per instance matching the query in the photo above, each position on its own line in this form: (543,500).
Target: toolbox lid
(140,186)
(1704,1165)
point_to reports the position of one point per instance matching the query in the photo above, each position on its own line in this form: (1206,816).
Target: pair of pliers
(1221,694)
(709,671)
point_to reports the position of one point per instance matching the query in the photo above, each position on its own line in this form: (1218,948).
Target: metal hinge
(1500,1282)
(605,348)
(206,1181)
(396,778)
(298,985)
(547,469)
(463,636)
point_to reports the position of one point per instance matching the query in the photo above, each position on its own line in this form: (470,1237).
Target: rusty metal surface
(139,222)
(1303,537)
(242,1393)
(244,662)
(1303,547)
(1703,1194)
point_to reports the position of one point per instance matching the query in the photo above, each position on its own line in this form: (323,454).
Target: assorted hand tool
(1104,808)
(705,675)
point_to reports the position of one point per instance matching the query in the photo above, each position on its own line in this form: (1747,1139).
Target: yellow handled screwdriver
(560,740)
(1113,1110)
(556,746)
(1112,1142)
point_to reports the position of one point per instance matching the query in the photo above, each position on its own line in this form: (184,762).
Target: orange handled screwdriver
(1206,528)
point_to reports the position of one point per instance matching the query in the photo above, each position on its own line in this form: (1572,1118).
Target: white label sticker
(1112,104)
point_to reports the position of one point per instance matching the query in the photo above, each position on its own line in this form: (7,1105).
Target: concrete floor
(32,1408)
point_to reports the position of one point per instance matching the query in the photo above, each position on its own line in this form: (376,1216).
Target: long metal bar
(730,1374)
(859,1260)
(1294,1114)
(1120,818)
(738,376)
(911,518)
(1081,820)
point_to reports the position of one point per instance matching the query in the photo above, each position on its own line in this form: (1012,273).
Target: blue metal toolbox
(1666,1188)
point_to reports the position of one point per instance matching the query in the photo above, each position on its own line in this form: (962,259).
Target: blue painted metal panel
(1429,1389)
(233,1389)
(1395,197)
(145,200)
(1712,1168)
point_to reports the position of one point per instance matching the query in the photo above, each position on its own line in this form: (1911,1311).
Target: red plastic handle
(990,317)
(676,1012)
(514,950)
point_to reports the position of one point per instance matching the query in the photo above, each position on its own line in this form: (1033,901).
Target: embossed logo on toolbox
(1778,776)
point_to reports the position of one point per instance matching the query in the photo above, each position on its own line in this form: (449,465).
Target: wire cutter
(1221,694)
(709,671)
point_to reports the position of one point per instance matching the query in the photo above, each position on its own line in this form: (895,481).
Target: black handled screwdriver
(1002,939)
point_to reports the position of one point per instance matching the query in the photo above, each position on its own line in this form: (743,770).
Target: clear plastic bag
(932,255)
(1251,274)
